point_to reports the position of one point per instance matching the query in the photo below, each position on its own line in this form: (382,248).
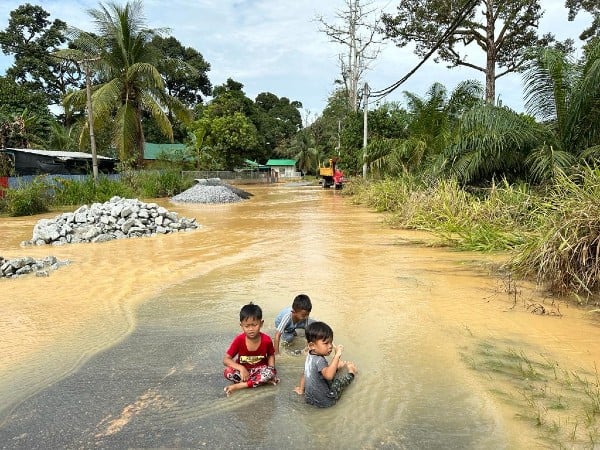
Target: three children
(250,359)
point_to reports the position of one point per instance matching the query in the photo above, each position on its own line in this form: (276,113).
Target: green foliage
(6,165)
(565,94)
(565,251)
(492,142)
(29,199)
(31,38)
(131,83)
(156,184)
(25,119)
(71,192)
(496,219)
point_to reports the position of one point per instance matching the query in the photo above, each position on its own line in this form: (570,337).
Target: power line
(463,13)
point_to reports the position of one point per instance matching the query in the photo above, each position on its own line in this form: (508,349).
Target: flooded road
(122,348)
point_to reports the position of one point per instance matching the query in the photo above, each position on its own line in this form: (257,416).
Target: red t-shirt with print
(255,358)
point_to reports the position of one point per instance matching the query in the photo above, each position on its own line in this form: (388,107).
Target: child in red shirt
(250,359)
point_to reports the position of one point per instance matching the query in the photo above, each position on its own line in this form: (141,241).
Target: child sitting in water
(319,383)
(250,359)
(292,318)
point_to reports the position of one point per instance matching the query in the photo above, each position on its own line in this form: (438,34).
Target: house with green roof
(283,168)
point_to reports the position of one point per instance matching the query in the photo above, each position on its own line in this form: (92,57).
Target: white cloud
(275,46)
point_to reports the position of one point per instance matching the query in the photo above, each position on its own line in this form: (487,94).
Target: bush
(29,199)
(72,192)
(156,184)
(565,253)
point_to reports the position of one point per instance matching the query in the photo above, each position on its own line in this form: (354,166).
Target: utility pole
(365,128)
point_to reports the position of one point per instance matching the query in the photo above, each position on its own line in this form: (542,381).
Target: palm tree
(304,151)
(129,82)
(565,95)
(492,142)
(432,121)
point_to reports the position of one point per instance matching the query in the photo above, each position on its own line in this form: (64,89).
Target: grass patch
(561,404)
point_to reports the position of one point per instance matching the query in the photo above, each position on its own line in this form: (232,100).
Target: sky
(276,46)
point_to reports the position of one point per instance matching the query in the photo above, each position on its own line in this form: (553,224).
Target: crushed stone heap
(211,190)
(16,267)
(117,218)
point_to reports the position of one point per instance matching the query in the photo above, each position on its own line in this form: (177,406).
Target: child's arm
(229,362)
(276,342)
(300,388)
(330,371)
(271,361)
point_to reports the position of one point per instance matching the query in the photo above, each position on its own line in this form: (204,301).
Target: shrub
(73,192)
(28,199)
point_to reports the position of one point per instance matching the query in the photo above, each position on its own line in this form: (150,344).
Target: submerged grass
(563,405)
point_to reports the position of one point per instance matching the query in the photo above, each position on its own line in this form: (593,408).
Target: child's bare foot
(274,381)
(351,368)
(233,387)
(298,390)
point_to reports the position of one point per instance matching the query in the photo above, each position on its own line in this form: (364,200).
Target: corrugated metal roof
(54,153)
(281,162)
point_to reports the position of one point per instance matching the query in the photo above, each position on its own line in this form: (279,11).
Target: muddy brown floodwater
(122,348)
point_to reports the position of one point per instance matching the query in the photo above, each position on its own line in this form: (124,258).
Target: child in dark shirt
(319,383)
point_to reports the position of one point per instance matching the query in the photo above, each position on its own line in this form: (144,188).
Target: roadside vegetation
(46,193)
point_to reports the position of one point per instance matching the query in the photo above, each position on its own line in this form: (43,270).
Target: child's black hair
(316,331)
(250,311)
(302,302)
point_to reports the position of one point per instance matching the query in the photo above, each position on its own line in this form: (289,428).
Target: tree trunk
(490,66)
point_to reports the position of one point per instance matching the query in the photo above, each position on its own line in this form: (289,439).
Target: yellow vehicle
(331,175)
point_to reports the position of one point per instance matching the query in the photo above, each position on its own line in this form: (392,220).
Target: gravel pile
(117,218)
(211,190)
(16,267)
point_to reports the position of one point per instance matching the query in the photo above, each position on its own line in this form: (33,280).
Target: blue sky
(275,45)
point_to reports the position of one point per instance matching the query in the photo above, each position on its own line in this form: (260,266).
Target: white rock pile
(16,267)
(211,190)
(117,218)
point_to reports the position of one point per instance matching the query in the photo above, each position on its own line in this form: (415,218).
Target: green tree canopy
(184,70)
(25,119)
(32,38)
(590,6)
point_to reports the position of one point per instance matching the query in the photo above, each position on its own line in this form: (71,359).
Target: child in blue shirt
(292,318)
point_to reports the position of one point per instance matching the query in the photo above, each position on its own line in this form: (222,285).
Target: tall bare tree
(356,31)
(501,29)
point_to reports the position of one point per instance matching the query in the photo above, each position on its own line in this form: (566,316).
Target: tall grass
(28,199)
(565,253)
(44,193)
(156,184)
(72,192)
(498,218)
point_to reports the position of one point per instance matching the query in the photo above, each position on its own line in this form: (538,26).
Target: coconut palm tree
(129,83)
